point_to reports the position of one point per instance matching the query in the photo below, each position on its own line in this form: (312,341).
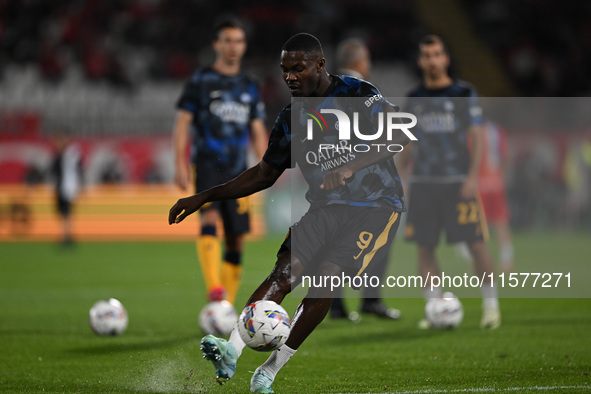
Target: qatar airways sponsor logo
(330,156)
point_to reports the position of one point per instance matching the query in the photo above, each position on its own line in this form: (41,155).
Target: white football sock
(429,293)
(489,296)
(277,360)
(237,341)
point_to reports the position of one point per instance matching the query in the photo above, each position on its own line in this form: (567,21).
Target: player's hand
(184,207)
(181,177)
(336,178)
(469,188)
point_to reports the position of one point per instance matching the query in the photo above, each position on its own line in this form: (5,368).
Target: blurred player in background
(353,59)
(361,200)
(444,180)
(491,184)
(220,109)
(66,170)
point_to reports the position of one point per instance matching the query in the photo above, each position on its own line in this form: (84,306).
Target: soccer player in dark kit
(444,181)
(220,109)
(355,205)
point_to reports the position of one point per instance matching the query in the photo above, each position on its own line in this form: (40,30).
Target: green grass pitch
(46,345)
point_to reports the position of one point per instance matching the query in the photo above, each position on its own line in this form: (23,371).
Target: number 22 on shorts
(467,212)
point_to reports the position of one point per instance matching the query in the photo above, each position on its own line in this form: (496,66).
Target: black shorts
(349,236)
(234,213)
(436,206)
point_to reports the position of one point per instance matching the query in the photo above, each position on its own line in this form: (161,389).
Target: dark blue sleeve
(189,99)
(257,107)
(278,154)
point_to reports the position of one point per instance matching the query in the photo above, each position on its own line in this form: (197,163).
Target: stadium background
(111,72)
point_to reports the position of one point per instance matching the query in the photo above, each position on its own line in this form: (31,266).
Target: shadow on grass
(376,331)
(115,345)
(546,321)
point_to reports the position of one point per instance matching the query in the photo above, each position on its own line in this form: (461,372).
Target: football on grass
(108,317)
(444,312)
(218,318)
(264,325)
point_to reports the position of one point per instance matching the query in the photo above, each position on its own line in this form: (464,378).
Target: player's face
(302,72)
(433,60)
(230,45)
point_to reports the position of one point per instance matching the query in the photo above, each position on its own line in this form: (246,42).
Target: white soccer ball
(108,317)
(264,325)
(218,318)
(444,312)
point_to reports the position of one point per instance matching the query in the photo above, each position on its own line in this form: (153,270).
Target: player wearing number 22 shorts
(444,177)
(441,160)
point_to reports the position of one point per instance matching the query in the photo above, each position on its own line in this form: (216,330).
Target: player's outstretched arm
(180,140)
(470,187)
(259,137)
(249,182)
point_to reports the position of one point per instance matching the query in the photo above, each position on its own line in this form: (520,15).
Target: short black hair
(225,24)
(304,42)
(431,39)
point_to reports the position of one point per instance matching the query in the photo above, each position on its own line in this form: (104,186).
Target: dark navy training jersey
(375,186)
(444,117)
(222,107)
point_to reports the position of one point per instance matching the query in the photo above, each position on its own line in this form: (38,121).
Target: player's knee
(209,217)
(282,280)
(233,257)
(426,254)
(476,247)
(479,251)
(284,274)
(333,280)
(234,242)
(329,269)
